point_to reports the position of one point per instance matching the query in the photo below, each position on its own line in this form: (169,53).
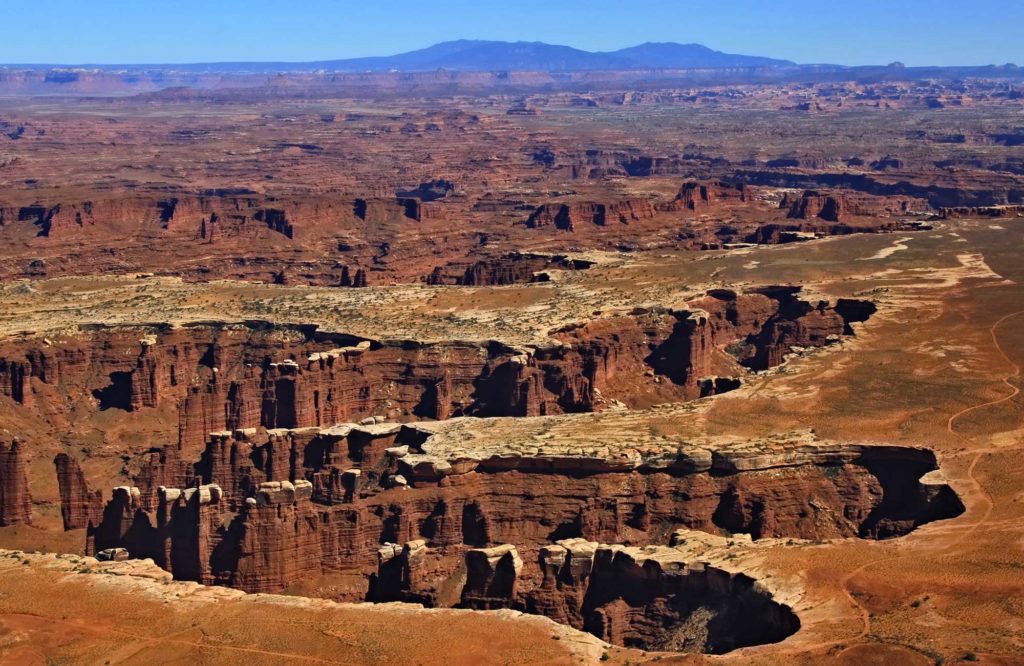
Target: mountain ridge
(487,55)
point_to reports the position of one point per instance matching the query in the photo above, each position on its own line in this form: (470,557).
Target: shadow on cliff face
(647,598)
(854,311)
(117,394)
(651,606)
(898,496)
(906,504)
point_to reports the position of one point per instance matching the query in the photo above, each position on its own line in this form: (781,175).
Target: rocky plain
(333,371)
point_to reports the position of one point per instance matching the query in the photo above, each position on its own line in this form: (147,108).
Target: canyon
(238,375)
(232,516)
(533,369)
(283,491)
(329,239)
(263,511)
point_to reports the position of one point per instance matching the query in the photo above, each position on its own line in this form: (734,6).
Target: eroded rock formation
(228,376)
(79,506)
(697,196)
(209,216)
(655,599)
(513,268)
(982,211)
(838,206)
(15,501)
(261,511)
(569,216)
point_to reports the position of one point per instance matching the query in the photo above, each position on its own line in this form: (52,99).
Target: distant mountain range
(465,66)
(477,55)
(468,55)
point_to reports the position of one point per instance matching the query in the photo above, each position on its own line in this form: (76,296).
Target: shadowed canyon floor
(628,408)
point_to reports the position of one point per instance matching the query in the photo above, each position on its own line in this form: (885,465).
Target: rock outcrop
(974,193)
(213,216)
(412,208)
(15,501)
(262,511)
(839,206)
(227,233)
(513,268)
(655,599)
(981,211)
(698,196)
(79,506)
(491,577)
(570,216)
(229,376)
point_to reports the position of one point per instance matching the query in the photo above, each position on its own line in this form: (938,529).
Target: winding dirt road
(980,490)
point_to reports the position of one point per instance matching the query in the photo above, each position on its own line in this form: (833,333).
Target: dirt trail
(1014,392)
(989,504)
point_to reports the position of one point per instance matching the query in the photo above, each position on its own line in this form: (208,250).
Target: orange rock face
(568,217)
(629,598)
(513,268)
(982,211)
(79,506)
(223,377)
(838,206)
(15,501)
(698,196)
(260,511)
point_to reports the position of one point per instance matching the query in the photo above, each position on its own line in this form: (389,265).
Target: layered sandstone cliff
(838,206)
(199,235)
(982,211)
(655,598)
(262,510)
(698,196)
(15,501)
(79,506)
(569,216)
(228,376)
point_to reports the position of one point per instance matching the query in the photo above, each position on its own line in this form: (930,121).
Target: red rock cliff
(79,506)
(265,514)
(15,501)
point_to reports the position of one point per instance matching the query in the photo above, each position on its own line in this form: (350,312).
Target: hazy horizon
(916,32)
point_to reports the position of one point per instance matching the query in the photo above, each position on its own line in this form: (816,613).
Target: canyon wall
(262,510)
(513,268)
(972,192)
(15,501)
(335,239)
(211,216)
(698,196)
(228,376)
(307,238)
(714,215)
(982,211)
(655,599)
(838,206)
(569,216)
(79,506)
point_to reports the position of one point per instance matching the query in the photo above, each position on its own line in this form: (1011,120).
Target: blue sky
(916,32)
